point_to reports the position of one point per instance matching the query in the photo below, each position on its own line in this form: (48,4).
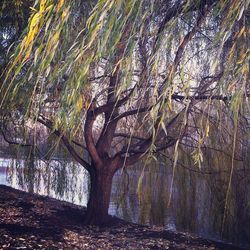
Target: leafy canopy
(163,48)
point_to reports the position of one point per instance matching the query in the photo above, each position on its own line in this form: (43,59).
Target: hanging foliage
(101,70)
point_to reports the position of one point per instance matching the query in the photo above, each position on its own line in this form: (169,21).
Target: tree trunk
(99,197)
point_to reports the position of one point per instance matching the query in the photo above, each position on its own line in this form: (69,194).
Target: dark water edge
(191,209)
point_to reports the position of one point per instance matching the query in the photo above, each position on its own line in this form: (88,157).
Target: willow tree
(122,79)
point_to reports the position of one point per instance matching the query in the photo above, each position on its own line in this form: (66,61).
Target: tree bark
(99,196)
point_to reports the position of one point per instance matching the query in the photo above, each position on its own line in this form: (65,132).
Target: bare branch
(14,142)
(129,136)
(88,134)
(46,122)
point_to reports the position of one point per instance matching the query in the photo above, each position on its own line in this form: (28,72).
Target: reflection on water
(58,178)
(197,203)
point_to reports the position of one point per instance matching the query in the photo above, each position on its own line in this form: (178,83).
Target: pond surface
(195,203)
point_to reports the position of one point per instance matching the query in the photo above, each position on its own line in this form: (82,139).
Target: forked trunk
(99,197)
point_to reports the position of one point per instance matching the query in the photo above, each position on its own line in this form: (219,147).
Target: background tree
(13,20)
(88,66)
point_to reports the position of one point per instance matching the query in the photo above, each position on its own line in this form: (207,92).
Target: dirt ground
(29,221)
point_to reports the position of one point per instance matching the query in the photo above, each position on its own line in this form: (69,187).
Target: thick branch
(105,140)
(141,148)
(66,143)
(88,134)
(137,154)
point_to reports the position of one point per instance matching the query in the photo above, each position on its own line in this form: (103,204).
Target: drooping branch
(99,77)
(78,144)
(137,154)
(201,97)
(111,105)
(14,142)
(178,97)
(181,7)
(110,109)
(187,38)
(133,112)
(134,152)
(46,122)
(129,136)
(172,70)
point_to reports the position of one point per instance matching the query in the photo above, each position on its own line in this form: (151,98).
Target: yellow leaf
(49,7)
(53,41)
(42,5)
(59,5)
(241,32)
(79,104)
(242,56)
(35,20)
(169,103)
(33,9)
(65,13)
(34,29)
(231,53)
(37,53)
(27,54)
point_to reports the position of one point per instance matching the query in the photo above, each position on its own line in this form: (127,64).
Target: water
(197,203)
(59,179)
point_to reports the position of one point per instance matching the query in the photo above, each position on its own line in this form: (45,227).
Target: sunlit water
(196,204)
